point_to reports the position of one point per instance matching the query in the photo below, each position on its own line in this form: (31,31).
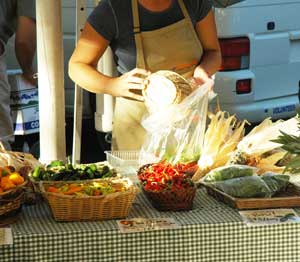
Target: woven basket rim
(191,188)
(15,199)
(13,190)
(131,189)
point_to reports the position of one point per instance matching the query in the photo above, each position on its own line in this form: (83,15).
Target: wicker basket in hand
(87,208)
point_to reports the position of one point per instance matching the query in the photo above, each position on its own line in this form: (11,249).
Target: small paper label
(269,217)
(6,236)
(146,224)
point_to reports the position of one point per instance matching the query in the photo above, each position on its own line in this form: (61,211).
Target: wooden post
(51,80)
(78,102)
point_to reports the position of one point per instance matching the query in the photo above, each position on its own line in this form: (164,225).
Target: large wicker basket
(172,200)
(86,208)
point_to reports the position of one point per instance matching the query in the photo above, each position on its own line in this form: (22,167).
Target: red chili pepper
(162,176)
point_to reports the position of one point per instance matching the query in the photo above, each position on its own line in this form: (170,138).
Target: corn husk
(258,141)
(268,164)
(257,149)
(221,139)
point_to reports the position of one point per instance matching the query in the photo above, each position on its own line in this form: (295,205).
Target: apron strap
(188,18)
(135,14)
(140,59)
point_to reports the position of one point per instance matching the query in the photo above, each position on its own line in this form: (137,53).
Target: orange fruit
(16,178)
(52,189)
(6,184)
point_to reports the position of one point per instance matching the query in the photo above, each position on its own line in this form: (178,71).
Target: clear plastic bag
(245,187)
(228,172)
(176,133)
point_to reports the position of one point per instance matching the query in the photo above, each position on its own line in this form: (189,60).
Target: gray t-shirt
(10,10)
(113,20)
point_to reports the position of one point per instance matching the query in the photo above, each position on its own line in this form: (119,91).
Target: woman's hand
(30,78)
(129,85)
(199,77)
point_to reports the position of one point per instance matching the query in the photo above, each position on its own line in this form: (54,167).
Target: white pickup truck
(260,75)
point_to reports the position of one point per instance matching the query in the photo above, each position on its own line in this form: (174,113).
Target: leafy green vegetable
(228,172)
(276,182)
(57,172)
(56,163)
(244,187)
(36,173)
(253,186)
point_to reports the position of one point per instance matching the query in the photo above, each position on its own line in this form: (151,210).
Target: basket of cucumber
(60,171)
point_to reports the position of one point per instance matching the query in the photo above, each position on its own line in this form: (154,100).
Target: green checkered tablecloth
(210,232)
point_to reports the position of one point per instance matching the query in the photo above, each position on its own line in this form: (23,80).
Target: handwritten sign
(269,216)
(146,224)
(6,236)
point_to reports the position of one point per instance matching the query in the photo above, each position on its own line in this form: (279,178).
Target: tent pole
(105,103)
(51,80)
(78,101)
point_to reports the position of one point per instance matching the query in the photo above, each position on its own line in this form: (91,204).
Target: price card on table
(269,217)
(146,224)
(6,236)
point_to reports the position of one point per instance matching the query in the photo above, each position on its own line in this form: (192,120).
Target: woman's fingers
(138,97)
(135,96)
(139,71)
(145,83)
(135,80)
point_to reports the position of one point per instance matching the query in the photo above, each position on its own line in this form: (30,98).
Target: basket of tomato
(168,187)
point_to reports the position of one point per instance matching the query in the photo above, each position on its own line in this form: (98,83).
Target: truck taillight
(243,86)
(235,53)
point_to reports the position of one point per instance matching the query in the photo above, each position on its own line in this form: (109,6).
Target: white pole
(51,80)
(105,103)
(78,102)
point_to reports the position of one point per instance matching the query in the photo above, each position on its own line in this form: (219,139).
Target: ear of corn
(220,140)
(260,148)
(261,138)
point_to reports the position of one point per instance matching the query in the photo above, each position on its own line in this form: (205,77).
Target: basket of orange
(98,199)
(12,184)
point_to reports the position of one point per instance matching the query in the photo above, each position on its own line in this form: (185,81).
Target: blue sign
(284,109)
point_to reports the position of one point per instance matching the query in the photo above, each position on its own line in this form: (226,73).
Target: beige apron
(175,47)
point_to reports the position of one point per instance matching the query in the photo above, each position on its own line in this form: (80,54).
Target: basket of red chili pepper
(168,187)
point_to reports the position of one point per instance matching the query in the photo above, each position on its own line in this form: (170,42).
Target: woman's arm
(211,59)
(25,46)
(83,63)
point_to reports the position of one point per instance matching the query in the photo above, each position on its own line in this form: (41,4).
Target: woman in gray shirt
(145,35)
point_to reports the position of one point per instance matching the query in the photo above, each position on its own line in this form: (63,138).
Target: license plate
(284,109)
